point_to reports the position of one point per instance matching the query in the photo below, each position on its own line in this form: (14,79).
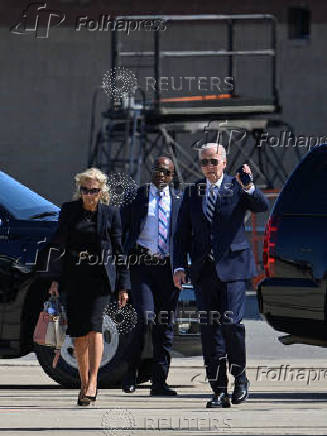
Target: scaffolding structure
(135,126)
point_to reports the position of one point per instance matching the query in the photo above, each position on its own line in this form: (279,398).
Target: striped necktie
(210,210)
(163,213)
(211,203)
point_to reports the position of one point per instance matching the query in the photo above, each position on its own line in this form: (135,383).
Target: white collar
(154,190)
(218,183)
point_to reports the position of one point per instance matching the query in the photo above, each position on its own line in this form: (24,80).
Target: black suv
(292,297)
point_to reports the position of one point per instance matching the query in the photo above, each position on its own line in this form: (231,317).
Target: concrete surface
(288,396)
(31,403)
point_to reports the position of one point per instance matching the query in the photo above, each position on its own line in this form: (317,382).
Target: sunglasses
(165,171)
(92,191)
(205,162)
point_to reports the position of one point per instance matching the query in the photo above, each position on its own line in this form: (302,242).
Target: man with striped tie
(210,229)
(148,224)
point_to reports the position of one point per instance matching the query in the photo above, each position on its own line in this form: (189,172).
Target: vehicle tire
(113,365)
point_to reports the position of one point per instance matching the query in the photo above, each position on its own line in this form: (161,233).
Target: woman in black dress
(89,229)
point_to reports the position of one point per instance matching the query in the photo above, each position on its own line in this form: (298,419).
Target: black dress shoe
(162,391)
(241,392)
(129,381)
(219,400)
(128,389)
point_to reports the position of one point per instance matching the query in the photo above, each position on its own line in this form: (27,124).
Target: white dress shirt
(148,237)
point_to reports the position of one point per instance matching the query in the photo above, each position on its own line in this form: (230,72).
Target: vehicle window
(20,201)
(306,191)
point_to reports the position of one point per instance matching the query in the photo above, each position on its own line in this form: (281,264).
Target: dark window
(20,201)
(299,20)
(305,192)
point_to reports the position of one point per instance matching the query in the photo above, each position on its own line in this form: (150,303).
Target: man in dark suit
(148,224)
(211,230)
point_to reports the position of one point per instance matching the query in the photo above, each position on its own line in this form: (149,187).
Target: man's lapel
(200,198)
(223,192)
(143,205)
(175,198)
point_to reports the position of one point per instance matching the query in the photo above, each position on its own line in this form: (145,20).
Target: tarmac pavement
(282,401)
(288,396)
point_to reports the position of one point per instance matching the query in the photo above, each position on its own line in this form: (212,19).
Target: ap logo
(38,19)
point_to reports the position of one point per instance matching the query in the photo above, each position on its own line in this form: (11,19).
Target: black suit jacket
(134,214)
(231,250)
(109,244)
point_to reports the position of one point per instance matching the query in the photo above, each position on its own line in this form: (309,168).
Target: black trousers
(155,300)
(222,334)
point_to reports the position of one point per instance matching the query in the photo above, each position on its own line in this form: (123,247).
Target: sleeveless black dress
(86,284)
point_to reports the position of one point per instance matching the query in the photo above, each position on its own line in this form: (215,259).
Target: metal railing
(158,55)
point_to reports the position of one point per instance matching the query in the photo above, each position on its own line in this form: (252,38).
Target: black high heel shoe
(82,399)
(92,399)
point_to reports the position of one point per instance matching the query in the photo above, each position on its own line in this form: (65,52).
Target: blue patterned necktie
(210,210)
(162,225)
(211,203)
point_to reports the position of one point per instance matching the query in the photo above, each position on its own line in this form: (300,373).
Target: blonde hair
(95,174)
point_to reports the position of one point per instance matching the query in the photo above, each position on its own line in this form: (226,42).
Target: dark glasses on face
(165,171)
(92,191)
(205,162)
